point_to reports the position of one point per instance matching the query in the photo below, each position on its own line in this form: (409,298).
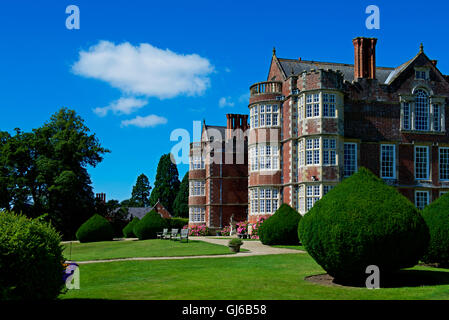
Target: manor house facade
(311,124)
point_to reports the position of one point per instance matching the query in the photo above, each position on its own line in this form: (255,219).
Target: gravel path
(256,248)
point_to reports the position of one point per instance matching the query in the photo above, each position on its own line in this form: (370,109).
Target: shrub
(242,227)
(436,216)
(363,222)
(235,242)
(128,231)
(177,223)
(281,227)
(149,226)
(31,259)
(226,231)
(97,228)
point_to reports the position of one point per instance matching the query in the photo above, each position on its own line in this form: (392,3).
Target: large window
(328,105)
(313,151)
(264,115)
(329,151)
(264,200)
(444,163)
(406,116)
(197,188)
(350,159)
(264,157)
(421,162)
(197,214)
(312,195)
(387,161)
(421,199)
(308,195)
(436,116)
(196,162)
(421,110)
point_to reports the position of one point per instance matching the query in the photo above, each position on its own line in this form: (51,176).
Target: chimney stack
(364,58)
(236,121)
(101,197)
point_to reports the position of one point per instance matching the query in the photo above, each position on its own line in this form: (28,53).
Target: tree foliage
(167,183)
(181,203)
(140,196)
(45,171)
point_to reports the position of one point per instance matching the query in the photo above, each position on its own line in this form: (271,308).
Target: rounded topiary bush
(363,222)
(281,227)
(436,216)
(149,226)
(31,259)
(128,231)
(97,228)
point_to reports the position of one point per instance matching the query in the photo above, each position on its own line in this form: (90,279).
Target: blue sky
(207,52)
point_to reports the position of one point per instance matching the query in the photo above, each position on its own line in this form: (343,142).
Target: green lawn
(297,247)
(249,278)
(142,248)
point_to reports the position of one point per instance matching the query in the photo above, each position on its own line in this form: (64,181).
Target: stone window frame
(195,212)
(307,103)
(355,165)
(257,202)
(256,115)
(197,188)
(428,175)
(426,192)
(409,101)
(419,71)
(274,156)
(393,164)
(439,164)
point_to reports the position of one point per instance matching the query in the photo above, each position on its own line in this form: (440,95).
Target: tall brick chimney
(236,121)
(364,58)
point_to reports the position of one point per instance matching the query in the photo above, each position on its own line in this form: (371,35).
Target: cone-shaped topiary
(436,216)
(281,227)
(149,226)
(363,222)
(128,231)
(97,228)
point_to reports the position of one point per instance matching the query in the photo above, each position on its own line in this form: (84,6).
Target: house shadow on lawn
(400,279)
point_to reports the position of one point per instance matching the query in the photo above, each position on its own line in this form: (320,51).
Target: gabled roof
(298,66)
(221,129)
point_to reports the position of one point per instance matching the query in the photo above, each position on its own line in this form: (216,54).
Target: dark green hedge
(363,222)
(30,259)
(177,223)
(436,216)
(97,228)
(128,231)
(281,227)
(149,226)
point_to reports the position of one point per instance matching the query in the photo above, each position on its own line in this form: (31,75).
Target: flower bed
(198,230)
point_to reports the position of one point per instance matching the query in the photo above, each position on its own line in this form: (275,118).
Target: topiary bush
(281,227)
(436,216)
(31,259)
(97,228)
(128,231)
(149,226)
(363,222)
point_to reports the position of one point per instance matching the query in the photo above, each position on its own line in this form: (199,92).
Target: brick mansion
(311,124)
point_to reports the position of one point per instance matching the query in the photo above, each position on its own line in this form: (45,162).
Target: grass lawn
(142,248)
(250,278)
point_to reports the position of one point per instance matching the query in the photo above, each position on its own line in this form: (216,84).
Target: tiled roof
(299,66)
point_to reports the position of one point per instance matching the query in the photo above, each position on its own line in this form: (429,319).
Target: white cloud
(227,69)
(151,120)
(122,106)
(145,70)
(225,102)
(244,98)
